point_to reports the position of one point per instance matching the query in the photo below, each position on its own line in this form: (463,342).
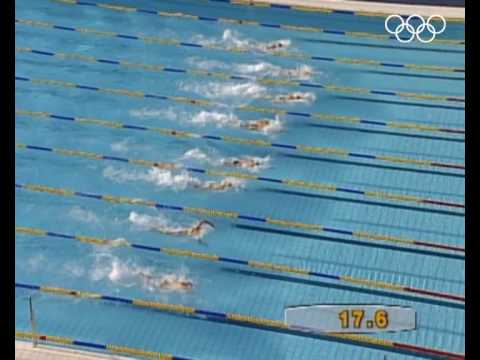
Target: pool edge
(24,350)
(365,8)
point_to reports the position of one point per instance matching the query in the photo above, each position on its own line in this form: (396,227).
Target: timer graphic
(351,318)
(355,318)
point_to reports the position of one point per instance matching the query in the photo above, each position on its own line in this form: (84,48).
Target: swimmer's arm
(173,232)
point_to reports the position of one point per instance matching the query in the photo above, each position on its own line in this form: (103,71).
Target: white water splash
(147,112)
(200,156)
(74,269)
(37,262)
(255,70)
(250,163)
(265,69)
(233,40)
(275,126)
(236,92)
(165,226)
(127,273)
(206,64)
(82,215)
(179,180)
(217,119)
(121,146)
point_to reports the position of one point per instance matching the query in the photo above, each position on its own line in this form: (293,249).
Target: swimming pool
(358,196)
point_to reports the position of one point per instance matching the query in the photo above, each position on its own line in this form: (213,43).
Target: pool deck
(375,7)
(25,351)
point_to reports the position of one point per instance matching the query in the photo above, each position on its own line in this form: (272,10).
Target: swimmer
(275,45)
(164,166)
(195,231)
(256,125)
(242,163)
(169,282)
(225,184)
(301,72)
(292,97)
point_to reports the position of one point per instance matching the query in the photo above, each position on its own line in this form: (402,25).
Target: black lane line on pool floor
(324,284)
(348,241)
(387,133)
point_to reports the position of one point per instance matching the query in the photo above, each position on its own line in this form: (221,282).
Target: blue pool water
(227,287)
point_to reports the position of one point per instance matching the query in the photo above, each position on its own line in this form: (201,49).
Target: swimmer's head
(185,284)
(206,223)
(236,162)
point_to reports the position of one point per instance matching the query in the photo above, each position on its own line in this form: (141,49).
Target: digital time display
(351,318)
(355,318)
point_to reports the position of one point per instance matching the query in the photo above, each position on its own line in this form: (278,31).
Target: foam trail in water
(256,70)
(120,146)
(226,90)
(233,40)
(218,119)
(159,223)
(159,177)
(86,216)
(128,274)
(179,180)
(198,155)
(199,63)
(250,163)
(275,126)
(146,112)
(264,69)
(74,269)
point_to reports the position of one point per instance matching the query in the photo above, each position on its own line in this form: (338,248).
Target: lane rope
(405,126)
(263,81)
(239,319)
(111,348)
(272,267)
(317,9)
(365,236)
(154,40)
(316,186)
(169,132)
(329,151)
(211,19)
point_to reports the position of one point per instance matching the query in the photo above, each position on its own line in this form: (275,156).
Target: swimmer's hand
(202,242)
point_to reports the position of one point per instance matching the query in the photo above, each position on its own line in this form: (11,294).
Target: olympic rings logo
(415,32)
